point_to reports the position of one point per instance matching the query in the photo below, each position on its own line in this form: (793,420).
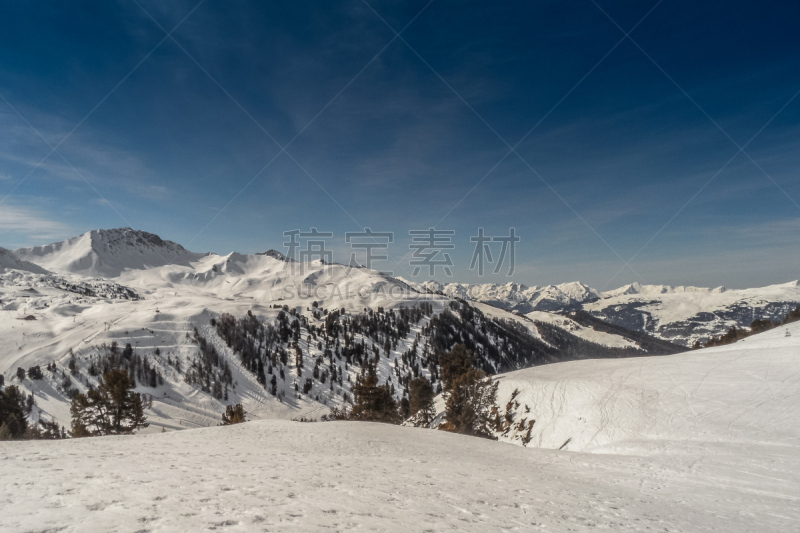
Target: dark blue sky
(409,133)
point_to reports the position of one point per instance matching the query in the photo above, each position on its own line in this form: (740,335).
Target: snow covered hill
(702,441)
(742,394)
(8,260)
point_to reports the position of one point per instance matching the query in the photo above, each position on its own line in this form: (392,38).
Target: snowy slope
(704,441)
(66,323)
(10,261)
(741,394)
(528,320)
(586,333)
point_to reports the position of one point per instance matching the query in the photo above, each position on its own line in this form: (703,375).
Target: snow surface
(8,260)
(742,394)
(703,441)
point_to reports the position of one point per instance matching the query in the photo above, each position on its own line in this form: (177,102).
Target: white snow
(741,394)
(511,295)
(584,332)
(8,260)
(703,441)
(674,304)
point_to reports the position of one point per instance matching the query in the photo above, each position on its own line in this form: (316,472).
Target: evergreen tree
(111,409)
(470,396)
(405,408)
(454,363)
(13,422)
(234,414)
(470,404)
(44,430)
(421,400)
(373,402)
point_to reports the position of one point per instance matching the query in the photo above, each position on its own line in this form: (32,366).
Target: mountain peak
(275,254)
(128,237)
(105,252)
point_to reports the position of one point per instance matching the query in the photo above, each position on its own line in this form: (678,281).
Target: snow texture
(706,441)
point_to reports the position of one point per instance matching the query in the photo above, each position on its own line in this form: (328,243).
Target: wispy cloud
(20,225)
(90,155)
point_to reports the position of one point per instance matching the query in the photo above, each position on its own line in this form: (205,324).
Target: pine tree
(373,402)
(469,404)
(421,400)
(111,409)
(454,363)
(469,395)
(13,422)
(234,414)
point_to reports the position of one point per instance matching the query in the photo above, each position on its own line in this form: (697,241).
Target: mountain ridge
(683,314)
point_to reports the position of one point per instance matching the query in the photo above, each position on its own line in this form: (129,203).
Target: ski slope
(702,441)
(742,394)
(291,476)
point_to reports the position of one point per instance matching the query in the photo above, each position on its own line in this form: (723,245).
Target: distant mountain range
(677,314)
(143,260)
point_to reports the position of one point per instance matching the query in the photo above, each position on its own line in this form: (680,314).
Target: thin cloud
(25,224)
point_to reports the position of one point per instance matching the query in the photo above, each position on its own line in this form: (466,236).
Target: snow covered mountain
(107,253)
(685,315)
(682,315)
(8,260)
(130,287)
(515,297)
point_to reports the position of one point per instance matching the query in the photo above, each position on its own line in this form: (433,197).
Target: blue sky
(623,148)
